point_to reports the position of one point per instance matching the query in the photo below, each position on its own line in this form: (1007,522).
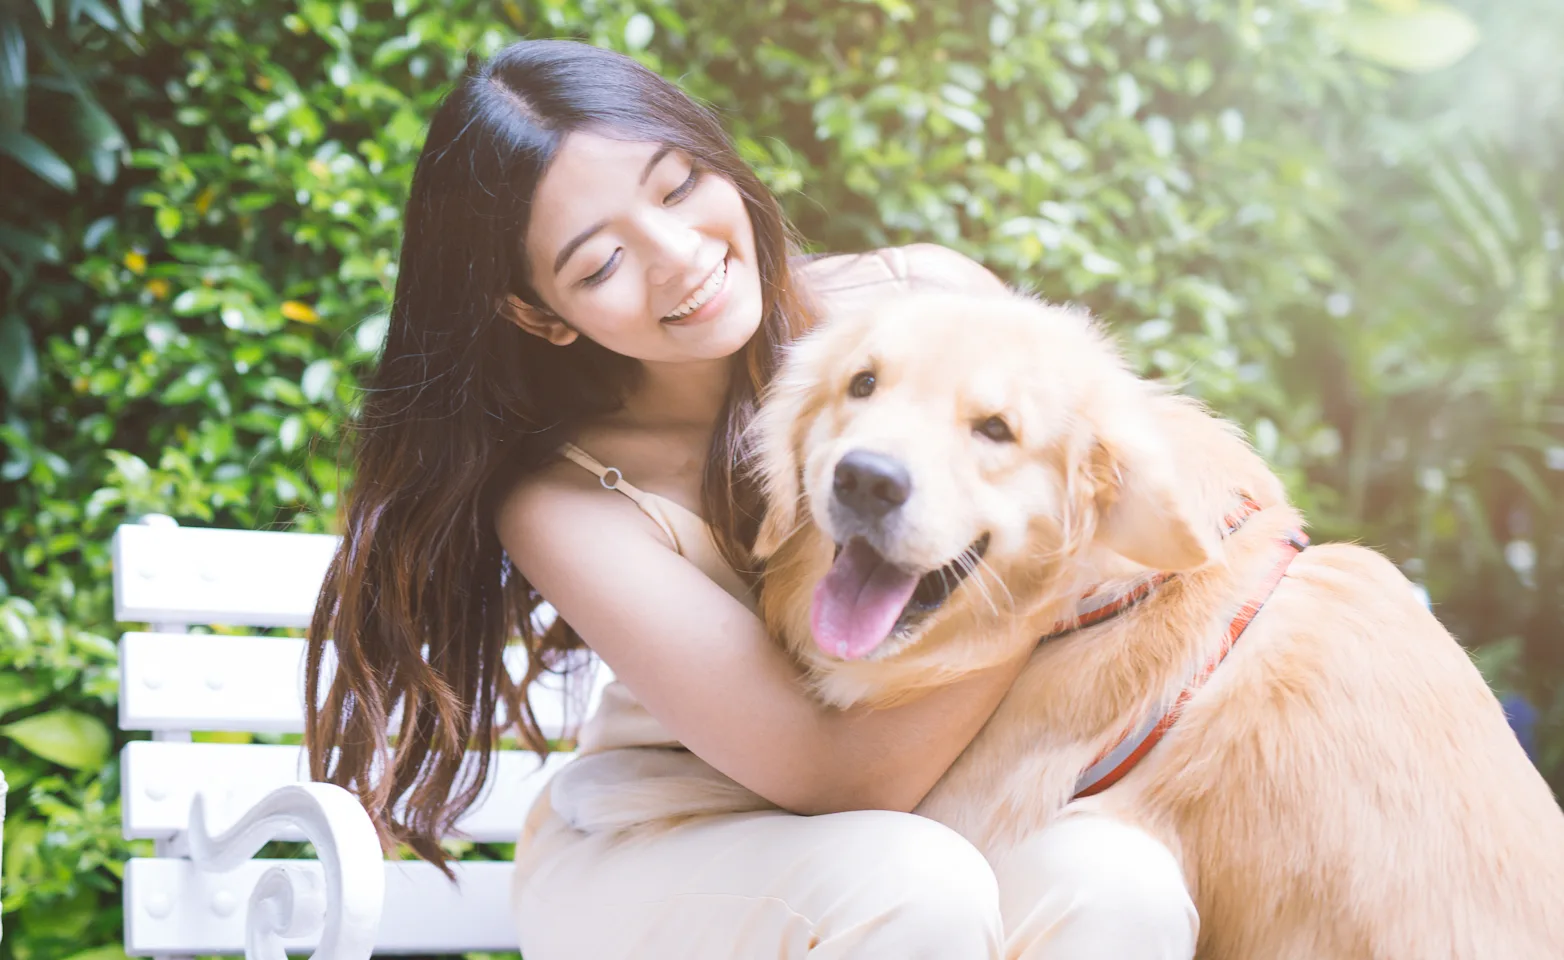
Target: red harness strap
(1112,764)
(1094,614)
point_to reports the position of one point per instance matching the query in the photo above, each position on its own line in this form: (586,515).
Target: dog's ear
(1144,510)
(774,447)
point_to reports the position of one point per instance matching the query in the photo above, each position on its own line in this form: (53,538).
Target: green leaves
(66,737)
(68,101)
(17,692)
(34,156)
(18,359)
(1418,36)
(13,70)
(130,12)
(190,385)
(638,31)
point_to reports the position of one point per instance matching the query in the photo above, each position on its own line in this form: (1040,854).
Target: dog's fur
(1345,786)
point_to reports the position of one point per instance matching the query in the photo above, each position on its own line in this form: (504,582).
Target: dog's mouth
(864,598)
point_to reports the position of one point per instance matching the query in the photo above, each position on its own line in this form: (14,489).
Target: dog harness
(1121,756)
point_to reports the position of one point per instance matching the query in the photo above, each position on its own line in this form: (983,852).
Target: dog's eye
(861,386)
(996,429)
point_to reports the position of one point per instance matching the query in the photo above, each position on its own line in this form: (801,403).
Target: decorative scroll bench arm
(340,903)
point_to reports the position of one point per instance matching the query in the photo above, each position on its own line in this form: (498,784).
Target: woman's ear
(538,322)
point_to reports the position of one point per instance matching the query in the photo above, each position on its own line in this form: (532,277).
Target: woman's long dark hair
(421,601)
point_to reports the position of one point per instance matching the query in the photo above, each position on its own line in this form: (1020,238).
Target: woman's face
(643,251)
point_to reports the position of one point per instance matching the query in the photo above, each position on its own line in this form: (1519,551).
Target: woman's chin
(724,334)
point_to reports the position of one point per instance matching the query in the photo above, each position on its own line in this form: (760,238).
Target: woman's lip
(707,309)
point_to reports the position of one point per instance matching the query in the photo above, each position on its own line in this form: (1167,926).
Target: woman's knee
(1122,868)
(919,889)
(848,885)
(1089,880)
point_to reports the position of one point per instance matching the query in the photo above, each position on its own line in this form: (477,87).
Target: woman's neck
(679,394)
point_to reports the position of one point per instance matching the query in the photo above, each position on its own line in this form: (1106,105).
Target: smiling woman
(593,292)
(658,266)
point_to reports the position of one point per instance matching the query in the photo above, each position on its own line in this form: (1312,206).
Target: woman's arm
(702,664)
(942,266)
(843,281)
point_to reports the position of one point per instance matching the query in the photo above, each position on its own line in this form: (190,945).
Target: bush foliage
(200,219)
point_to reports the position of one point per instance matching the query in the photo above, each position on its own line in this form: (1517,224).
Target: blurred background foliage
(1338,221)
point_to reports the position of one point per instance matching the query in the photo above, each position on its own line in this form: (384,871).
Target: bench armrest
(343,911)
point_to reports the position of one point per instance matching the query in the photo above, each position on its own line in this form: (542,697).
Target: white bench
(210,807)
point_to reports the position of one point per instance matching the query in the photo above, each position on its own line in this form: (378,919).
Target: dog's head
(947,457)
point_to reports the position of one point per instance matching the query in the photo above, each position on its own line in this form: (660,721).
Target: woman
(591,276)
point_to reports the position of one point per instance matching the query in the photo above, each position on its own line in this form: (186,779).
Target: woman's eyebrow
(587,234)
(657,158)
(575,243)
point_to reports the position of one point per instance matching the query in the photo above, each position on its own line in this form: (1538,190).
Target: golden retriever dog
(953,479)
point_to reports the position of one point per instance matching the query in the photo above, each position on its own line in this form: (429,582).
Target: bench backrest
(194,692)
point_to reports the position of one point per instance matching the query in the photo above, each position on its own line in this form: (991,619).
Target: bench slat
(161,778)
(175,681)
(173,908)
(255,578)
(172,576)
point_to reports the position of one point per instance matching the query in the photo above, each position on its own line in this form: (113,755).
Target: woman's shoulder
(562,507)
(907,267)
(540,493)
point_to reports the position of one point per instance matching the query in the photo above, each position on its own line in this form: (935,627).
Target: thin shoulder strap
(609,477)
(612,479)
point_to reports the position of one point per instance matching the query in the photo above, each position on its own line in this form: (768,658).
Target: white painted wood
(159,781)
(173,790)
(337,907)
(173,847)
(195,682)
(234,577)
(171,906)
(180,682)
(168,574)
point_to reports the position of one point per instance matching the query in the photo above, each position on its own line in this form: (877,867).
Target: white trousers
(864,885)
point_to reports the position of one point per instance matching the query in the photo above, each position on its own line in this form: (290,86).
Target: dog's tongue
(857,603)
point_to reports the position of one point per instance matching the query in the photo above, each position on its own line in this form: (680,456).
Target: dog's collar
(1113,763)
(1096,606)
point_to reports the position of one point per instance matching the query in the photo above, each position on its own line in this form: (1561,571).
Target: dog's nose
(871,484)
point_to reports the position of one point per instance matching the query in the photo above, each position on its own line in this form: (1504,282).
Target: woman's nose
(674,245)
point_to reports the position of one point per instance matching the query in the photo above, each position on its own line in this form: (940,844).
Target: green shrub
(196,279)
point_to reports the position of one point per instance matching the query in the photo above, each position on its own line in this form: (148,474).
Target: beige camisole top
(621,721)
(690,535)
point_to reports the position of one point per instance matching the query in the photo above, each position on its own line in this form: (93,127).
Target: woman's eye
(686,188)
(861,386)
(603,272)
(996,429)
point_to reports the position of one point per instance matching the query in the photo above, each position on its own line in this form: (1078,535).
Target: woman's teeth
(706,292)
